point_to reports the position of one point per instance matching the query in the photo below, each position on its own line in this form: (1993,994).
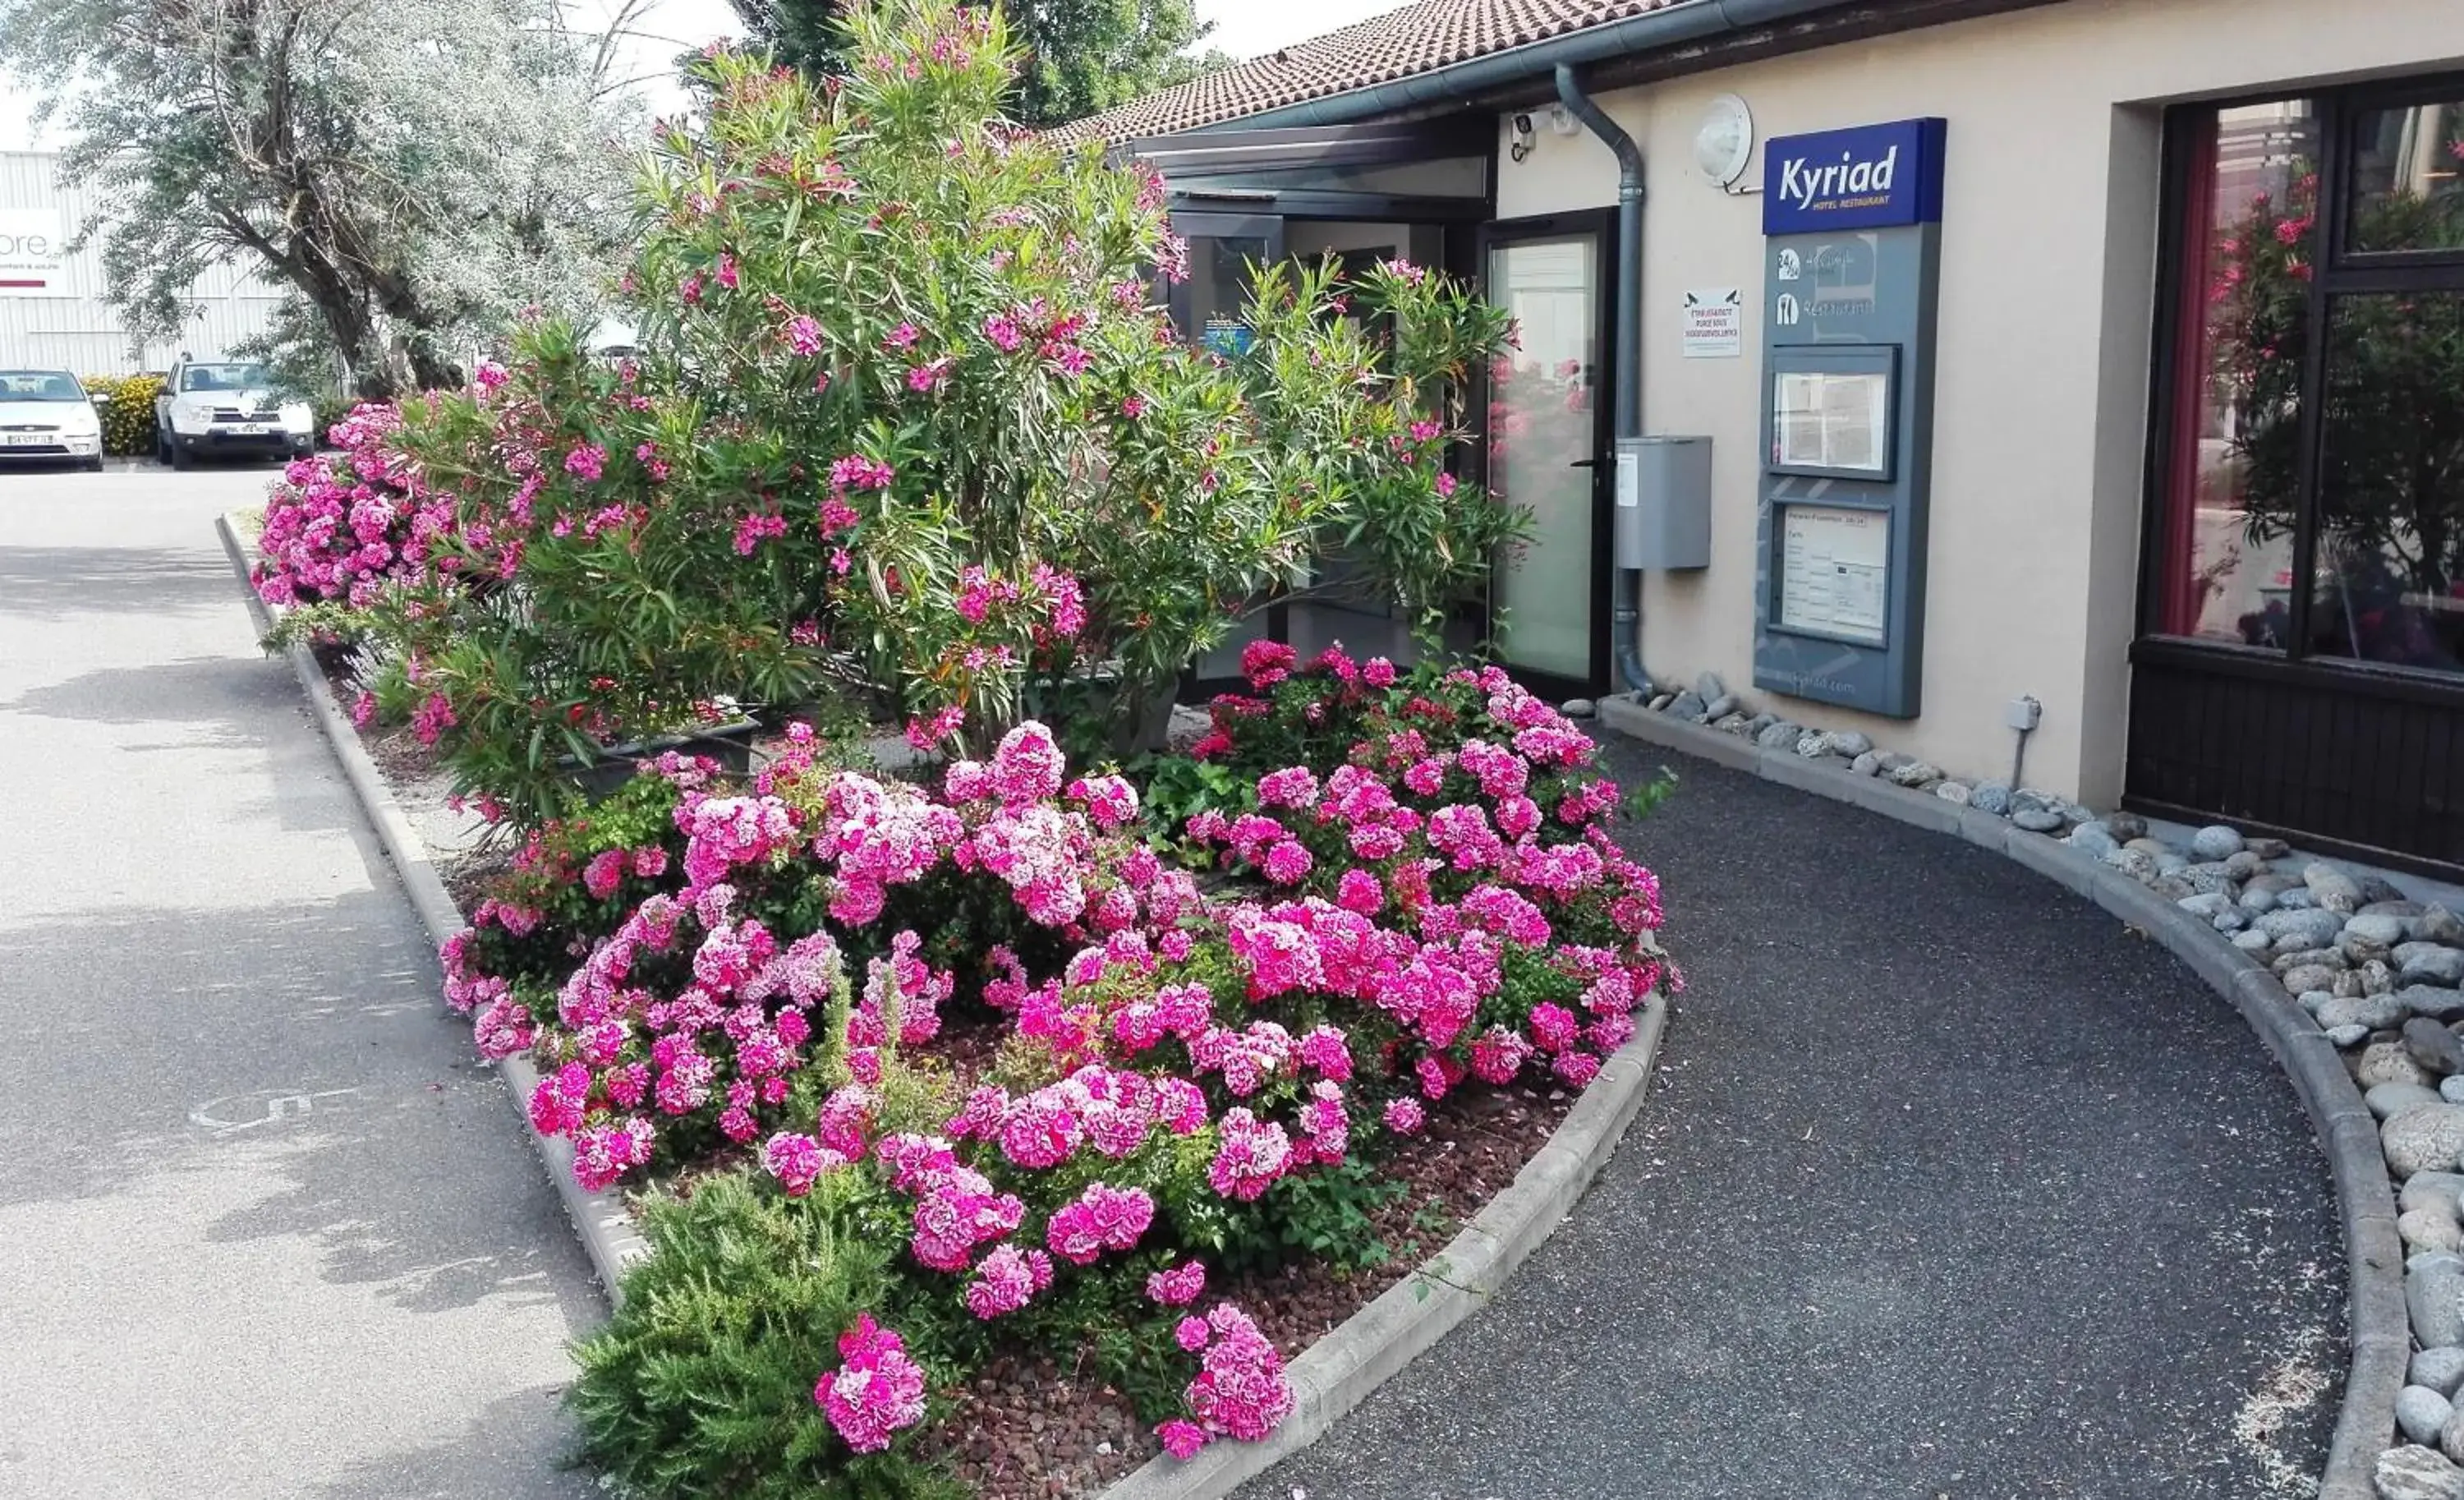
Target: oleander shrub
(909,424)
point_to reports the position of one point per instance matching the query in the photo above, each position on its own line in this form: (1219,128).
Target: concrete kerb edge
(1339,1372)
(2376,1317)
(1331,1378)
(607,1236)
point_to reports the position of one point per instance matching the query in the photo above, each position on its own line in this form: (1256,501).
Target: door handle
(1584,463)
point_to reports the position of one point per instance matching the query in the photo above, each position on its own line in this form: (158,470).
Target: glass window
(2408,177)
(2246,223)
(2388,586)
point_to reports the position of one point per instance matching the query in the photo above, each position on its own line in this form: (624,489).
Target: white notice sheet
(1836,570)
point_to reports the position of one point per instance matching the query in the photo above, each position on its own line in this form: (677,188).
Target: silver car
(47,415)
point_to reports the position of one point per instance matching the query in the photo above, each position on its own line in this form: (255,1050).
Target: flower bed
(1007,1077)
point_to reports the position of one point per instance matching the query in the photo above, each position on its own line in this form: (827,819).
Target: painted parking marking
(234,1113)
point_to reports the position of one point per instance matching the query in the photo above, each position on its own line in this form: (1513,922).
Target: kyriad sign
(1863,178)
(34,252)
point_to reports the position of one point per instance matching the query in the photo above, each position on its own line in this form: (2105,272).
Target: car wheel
(94,465)
(181,457)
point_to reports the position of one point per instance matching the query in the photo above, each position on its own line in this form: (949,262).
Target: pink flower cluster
(345,525)
(876,1390)
(1239,1391)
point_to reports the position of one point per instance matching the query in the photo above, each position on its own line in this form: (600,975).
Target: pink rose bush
(750,978)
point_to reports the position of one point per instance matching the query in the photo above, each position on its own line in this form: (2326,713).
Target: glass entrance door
(1546,433)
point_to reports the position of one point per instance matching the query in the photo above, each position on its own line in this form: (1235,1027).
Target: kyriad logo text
(1866,177)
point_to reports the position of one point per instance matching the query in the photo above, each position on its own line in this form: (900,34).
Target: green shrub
(126,403)
(701,1386)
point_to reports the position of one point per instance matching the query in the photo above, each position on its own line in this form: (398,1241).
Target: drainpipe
(1625,393)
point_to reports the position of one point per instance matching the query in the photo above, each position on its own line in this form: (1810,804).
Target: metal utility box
(1663,502)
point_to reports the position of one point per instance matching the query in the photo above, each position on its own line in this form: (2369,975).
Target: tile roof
(1417,39)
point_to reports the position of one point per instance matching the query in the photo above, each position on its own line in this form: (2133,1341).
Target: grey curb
(1328,1379)
(607,1236)
(2364,1197)
(1337,1373)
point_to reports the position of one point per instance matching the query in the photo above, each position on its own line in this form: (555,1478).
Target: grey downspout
(1625,585)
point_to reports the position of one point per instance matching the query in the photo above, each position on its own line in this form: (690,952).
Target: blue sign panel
(1863,178)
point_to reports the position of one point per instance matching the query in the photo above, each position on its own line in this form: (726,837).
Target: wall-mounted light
(1724,143)
(1521,144)
(1562,121)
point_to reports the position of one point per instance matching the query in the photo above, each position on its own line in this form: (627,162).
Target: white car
(46,415)
(212,409)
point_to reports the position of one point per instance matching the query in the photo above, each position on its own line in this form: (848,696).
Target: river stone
(2431,1044)
(2314,929)
(2376,928)
(1994,797)
(2347,1038)
(1760,722)
(2173,888)
(1722,706)
(1708,686)
(2404,909)
(2438,924)
(1850,742)
(1866,764)
(1915,774)
(2442,1370)
(2378,1012)
(2126,826)
(2361,950)
(2138,864)
(2377,888)
(2376,979)
(2421,1413)
(2205,878)
(2451,1441)
(2434,1000)
(2427,1137)
(2417,1473)
(2253,941)
(2091,840)
(2429,963)
(1813,744)
(2037,820)
(1731,724)
(2434,1295)
(2255,899)
(2267,848)
(2153,848)
(2388,1100)
(2451,1088)
(1689,706)
(2297,899)
(1780,735)
(2336,890)
(2172,863)
(2318,975)
(2306,958)
(1954,792)
(2426,1229)
(2435,1191)
(1659,704)
(2206,903)
(2216,841)
(2388,1062)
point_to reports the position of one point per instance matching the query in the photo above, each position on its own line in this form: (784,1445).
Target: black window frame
(2338,271)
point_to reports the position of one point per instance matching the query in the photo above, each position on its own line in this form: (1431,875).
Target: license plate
(28,439)
(248,430)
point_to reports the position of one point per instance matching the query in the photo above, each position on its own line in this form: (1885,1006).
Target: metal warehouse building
(52,307)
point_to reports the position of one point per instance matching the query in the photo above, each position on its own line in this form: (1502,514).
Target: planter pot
(730,744)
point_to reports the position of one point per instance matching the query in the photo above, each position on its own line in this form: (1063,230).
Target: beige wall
(2047,278)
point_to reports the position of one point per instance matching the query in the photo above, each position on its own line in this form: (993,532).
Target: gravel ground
(1948,1185)
(270,1230)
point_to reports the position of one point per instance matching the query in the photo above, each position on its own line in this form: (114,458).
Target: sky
(1242,28)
